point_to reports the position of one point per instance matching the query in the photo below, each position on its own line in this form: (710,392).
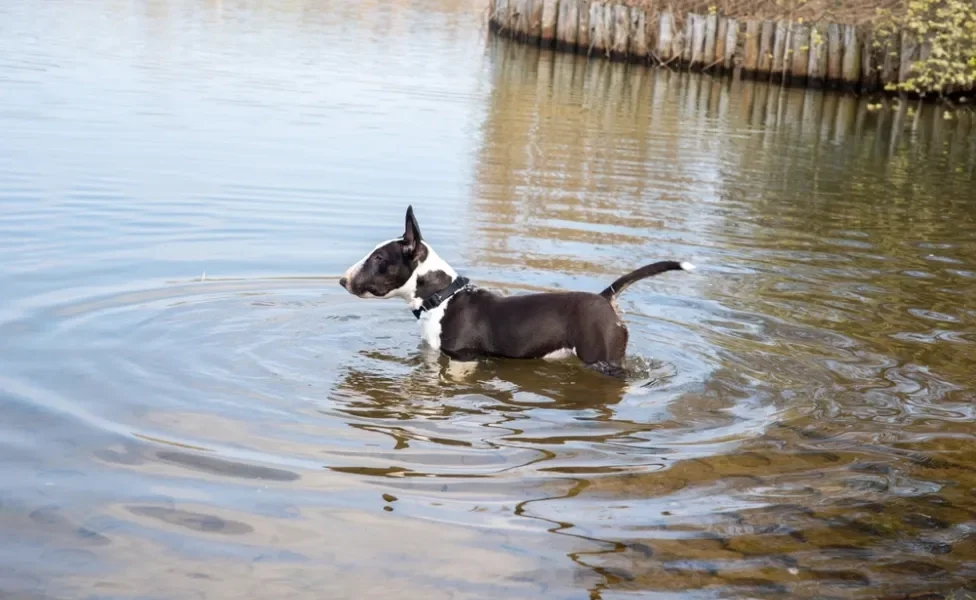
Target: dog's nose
(343,281)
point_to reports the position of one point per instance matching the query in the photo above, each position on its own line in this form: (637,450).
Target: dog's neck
(431,276)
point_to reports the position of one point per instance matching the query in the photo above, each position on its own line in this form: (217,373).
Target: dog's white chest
(430,325)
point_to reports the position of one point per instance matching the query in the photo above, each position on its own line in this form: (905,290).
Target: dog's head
(398,268)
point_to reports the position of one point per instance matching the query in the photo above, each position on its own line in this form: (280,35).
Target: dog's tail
(642,273)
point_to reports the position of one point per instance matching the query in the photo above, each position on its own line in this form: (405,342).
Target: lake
(192,407)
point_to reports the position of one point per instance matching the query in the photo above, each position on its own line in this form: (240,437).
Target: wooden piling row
(792,53)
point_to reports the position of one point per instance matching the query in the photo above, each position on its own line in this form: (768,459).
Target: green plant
(945,31)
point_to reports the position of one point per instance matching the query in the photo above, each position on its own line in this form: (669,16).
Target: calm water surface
(193,408)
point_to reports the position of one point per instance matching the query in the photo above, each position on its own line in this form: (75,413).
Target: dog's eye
(377,258)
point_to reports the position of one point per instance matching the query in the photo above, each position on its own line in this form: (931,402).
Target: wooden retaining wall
(822,55)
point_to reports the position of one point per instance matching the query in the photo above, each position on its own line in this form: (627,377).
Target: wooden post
(599,39)
(678,44)
(664,30)
(711,33)
(870,63)
(520,14)
(621,31)
(924,53)
(535,21)
(909,53)
(721,33)
(650,29)
(817,67)
(851,65)
(638,34)
(550,12)
(750,60)
(697,59)
(687,41)
(566,25)
(890,61)
(583,42)
(788,52)
(608,27)
(835,55)
(766,48)
(779,50)
(513,17)
(801,54)
(500,17)
(731,44)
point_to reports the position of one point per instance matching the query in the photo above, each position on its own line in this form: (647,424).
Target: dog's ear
(411,233)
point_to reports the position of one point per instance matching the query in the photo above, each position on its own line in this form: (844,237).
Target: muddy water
(193,408)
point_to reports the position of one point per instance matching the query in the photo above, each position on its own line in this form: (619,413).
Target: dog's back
(531,325)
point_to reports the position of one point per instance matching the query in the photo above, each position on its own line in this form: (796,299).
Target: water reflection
(838,272)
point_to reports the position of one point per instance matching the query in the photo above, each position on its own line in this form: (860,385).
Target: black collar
(437,297)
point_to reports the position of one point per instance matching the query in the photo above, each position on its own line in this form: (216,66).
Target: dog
(468,323)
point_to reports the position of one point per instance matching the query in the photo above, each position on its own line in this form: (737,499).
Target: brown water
(193,408)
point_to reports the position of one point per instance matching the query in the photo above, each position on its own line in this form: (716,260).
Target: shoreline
(792,53)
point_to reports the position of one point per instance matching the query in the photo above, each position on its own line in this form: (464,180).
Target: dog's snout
(343,281)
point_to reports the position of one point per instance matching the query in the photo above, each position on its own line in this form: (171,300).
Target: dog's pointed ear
(411,233)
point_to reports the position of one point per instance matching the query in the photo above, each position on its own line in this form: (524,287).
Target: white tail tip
(687,266)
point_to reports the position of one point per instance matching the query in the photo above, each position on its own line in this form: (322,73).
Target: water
(193,408)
